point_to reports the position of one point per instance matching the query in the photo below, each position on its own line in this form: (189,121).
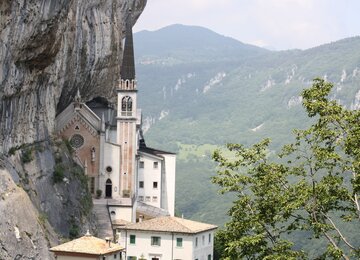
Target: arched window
(126,106)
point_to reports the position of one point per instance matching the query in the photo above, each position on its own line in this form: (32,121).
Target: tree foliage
(312,187)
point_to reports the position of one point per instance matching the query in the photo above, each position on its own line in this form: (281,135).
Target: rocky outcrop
(43,195)
(49,49)
(24,233)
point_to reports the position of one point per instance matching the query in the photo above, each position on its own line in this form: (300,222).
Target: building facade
(168,238)
(138,181)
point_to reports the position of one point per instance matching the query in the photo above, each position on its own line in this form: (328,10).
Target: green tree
(311,187)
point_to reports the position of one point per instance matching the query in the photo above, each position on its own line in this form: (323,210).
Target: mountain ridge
(206,98)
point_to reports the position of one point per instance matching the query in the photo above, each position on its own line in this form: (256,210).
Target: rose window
(76,141)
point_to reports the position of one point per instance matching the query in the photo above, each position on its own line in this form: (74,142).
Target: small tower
(126,117)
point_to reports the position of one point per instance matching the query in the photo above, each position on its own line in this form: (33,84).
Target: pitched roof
(88,245)
(153,151)
(171,224)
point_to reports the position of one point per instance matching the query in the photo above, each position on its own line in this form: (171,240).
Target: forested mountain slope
(200,90)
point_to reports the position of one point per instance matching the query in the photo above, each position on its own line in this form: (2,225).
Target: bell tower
(126,115)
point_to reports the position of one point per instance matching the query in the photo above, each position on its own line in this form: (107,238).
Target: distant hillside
(200,90)
(179,43)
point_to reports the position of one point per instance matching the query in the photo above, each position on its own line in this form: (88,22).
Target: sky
(273,24)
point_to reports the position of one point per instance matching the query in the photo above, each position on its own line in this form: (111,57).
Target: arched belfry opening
(108,188)
(126,106)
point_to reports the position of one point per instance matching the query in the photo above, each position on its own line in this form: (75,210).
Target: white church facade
(137,181)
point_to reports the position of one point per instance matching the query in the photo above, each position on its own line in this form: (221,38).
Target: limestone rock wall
(48,49)
(24,233)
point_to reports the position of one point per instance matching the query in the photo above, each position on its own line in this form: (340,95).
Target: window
(154,199)
(92,185)
(156,164)
(209,238)
(109,169)
(131,258)
(76,141)
(155,241)
(155,185)
(209,257)
(147,198)
(132,239)
(126,106)
(141,184)
(141,198)
(203,240)
(115,256)
(179,242)
(196,242)
(141,164)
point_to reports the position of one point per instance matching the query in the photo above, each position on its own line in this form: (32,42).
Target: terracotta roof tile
(88,245)
(171,224)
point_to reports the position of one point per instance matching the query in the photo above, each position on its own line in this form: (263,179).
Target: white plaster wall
(204,247)
(112,134)
(166,251)
(124,213)
(112,159)
(112,257)
(148,175)
(170,169)
(186,251)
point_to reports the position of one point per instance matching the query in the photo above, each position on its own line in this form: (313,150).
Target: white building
(108,143)
(168,238)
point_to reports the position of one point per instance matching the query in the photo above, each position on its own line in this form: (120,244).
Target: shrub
(26,155)
(68,146)
(74,229)
(58,175)
(12,150)
(98,193)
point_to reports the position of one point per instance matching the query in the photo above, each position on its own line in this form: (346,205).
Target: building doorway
(108,189)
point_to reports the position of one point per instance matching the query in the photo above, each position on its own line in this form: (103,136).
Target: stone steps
(104,227)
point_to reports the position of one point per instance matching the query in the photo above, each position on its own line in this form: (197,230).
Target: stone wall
(49,49)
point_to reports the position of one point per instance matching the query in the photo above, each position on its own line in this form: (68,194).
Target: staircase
(101,212)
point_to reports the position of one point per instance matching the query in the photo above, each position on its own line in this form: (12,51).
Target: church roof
(100,106)
(128,62)
(153,151)
(88,245)
(171,224)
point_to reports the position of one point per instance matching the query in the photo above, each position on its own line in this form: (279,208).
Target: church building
(137,181)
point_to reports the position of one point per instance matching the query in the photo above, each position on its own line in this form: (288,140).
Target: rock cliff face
(48,50)
(24,234)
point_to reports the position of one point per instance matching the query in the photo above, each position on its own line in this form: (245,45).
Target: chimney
(108,240)
(141,218)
